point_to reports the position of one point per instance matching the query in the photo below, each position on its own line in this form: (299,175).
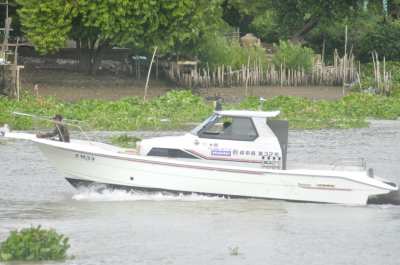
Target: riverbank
(176,109)
(73,86)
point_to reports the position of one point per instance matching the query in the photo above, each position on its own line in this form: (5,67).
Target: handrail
(350,161)
(37,117)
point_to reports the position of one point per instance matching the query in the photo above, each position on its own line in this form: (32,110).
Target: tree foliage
(96,25)
(241,13)
(384,39)
(295,18)
(298,17)
(189,28)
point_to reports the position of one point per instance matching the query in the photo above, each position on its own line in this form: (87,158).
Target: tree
(299,17)
(241,13)
(98,25)
(291,18)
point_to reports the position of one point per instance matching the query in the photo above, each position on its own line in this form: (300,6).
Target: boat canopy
(247,113)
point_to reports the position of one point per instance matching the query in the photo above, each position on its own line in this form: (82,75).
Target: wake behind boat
(232,153)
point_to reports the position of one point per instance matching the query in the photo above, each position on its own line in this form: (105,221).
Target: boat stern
(392,196)
(6,133)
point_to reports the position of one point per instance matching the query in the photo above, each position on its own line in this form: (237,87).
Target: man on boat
(60,130)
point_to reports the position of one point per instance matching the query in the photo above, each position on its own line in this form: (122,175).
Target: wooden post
(323,52)
(247,75)
(384,75)
(378,73)
(148,74)
(157,68)
(18,81)
(344,60)
(16,52)
(138,69)
(4,47)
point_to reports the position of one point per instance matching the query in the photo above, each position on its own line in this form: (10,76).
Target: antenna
(262,100)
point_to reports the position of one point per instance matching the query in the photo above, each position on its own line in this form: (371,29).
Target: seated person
(226,125)
(227,128)
(60,130)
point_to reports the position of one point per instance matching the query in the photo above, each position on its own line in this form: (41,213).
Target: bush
(348,112)
(177,108)
(216,50)
(130,113)
(34,244)
(293,56)
(384,40)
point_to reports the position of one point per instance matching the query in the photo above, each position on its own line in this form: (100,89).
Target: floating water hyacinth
(34,244)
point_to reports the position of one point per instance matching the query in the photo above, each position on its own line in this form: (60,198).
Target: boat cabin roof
(248,113)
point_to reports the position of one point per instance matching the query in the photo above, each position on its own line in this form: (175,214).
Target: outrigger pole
(39,117)
(46,118)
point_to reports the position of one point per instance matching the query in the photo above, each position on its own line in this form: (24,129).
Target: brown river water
(116,227)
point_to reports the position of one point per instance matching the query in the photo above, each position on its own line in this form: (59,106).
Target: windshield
(229,128)
(202,125)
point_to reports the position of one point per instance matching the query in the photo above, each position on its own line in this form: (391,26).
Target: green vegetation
(349,112)
(176,109)
(125,141)
(197,29)
(266,26)
(34,244)
(293,56)
(382,39)
(286,18)
(367,32)
(216,50)
(97,25)
(367,79)
(179,26)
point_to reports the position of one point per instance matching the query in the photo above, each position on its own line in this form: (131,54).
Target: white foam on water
(120,195)
(384,206)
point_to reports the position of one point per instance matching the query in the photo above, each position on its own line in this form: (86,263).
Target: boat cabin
(229,136)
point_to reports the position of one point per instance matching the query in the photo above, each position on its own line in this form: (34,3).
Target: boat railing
(68,122)
(358,162)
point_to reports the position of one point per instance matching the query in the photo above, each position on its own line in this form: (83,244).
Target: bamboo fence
(342,72)
(382,78)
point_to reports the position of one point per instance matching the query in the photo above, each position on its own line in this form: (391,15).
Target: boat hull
(167,175)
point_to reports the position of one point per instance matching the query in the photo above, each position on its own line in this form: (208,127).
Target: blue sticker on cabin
(218,152)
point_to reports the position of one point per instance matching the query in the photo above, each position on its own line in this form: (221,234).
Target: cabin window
(230,128)
(167,152)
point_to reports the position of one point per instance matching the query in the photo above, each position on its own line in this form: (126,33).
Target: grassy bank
(177,108)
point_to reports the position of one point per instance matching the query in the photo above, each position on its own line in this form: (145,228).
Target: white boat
(232,153)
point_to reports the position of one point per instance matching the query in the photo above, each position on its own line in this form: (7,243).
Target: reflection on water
(118,227)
